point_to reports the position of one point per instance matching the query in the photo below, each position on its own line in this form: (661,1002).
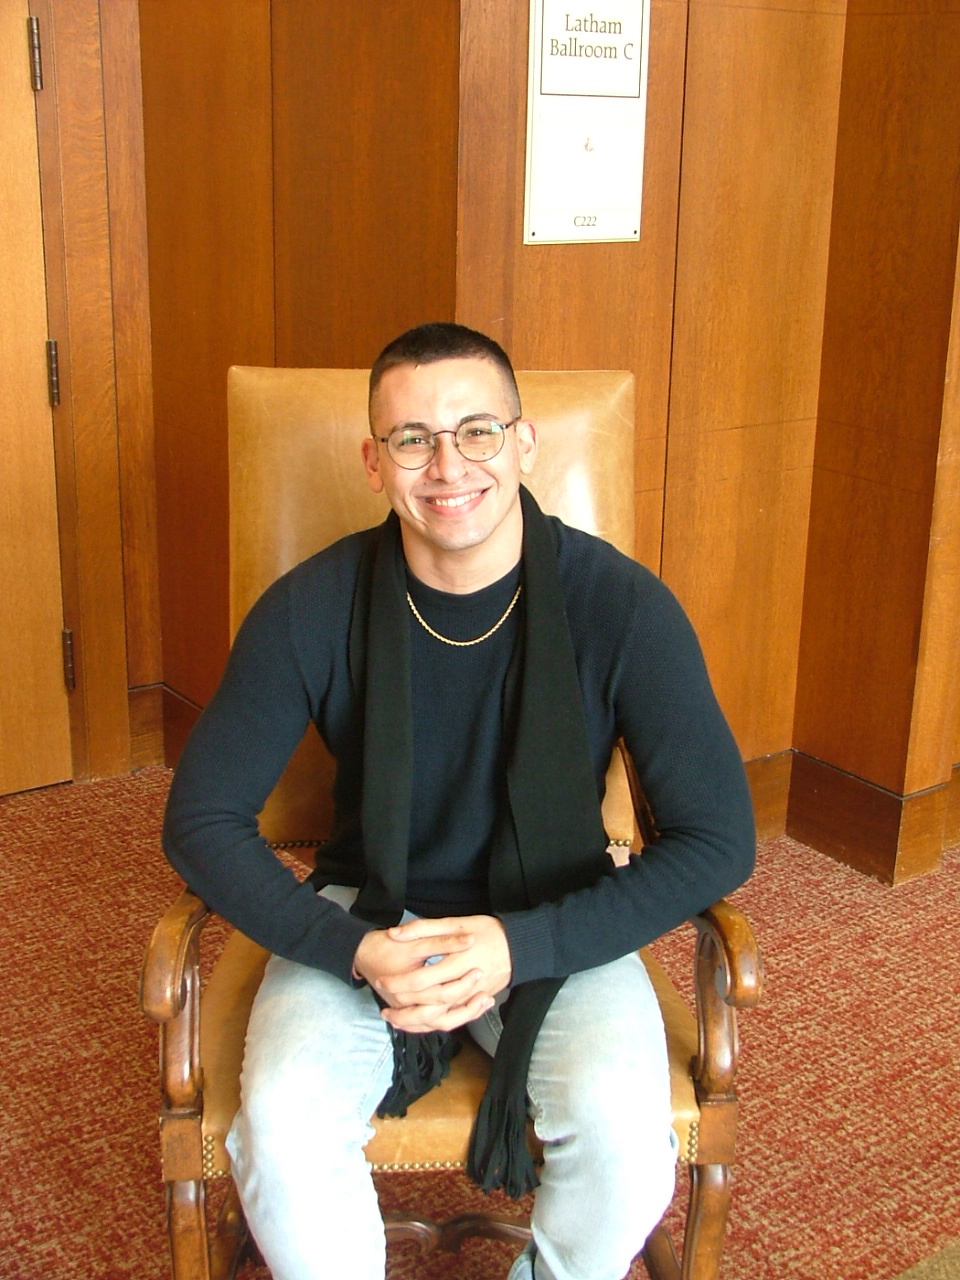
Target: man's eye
(479,431)
(413,439)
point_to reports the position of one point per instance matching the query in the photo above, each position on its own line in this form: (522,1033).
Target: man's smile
(454,500)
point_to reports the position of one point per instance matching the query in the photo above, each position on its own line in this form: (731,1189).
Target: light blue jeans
(318,1060)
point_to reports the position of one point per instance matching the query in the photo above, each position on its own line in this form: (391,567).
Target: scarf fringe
(499,1158)
(419,1063)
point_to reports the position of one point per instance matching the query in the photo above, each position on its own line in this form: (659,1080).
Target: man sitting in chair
(470,663)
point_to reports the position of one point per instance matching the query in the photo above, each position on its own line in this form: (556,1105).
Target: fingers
(441,935)
(379,957)
(430,985)
(423,1018)
(436,965)
(435,944)
(426,927)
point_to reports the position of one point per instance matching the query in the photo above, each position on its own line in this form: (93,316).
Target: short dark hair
(443,340)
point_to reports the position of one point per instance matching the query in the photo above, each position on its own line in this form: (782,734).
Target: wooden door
(34,721)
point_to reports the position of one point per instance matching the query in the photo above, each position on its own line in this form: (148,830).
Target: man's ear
(527,445)
(371,463)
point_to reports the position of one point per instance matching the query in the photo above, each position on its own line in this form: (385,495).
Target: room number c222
(585,220)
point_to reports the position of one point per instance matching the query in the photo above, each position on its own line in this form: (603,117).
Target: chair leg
(400,1226)
(232,1238)
(187,1228)
(706,1221)
(659,1256)
(491,1226)
(448,1236)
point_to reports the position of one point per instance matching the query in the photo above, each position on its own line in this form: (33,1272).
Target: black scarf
(549,842)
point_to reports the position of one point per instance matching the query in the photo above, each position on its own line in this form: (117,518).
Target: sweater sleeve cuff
(340,942)
(531,944)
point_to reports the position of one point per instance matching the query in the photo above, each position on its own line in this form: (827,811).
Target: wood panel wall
(760,122)
(365,176)
(589,306)
(208,162)
(122,94)
(301,189)
(876,706)
(123,136)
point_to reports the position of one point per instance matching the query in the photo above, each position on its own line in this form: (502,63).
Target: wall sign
(586,112)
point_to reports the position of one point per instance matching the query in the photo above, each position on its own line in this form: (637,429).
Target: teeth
(453,502)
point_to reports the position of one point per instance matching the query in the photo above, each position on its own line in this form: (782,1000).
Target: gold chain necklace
(465,644)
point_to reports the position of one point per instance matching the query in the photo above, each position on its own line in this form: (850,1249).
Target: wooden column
(876,724)
(759,136)
(122,93)
(209,163)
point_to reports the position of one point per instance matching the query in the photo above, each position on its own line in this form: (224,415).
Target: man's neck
(463,571)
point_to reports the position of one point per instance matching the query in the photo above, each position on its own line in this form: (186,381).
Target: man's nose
(448,463)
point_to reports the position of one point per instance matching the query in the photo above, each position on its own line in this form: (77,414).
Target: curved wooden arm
(728,975)
(170,995)
(171,952)
(739,960)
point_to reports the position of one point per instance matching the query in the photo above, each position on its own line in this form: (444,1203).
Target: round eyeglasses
(414,446)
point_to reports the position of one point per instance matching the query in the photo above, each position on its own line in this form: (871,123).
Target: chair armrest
(728,975)
(739,962)
(171,952)
(170,995)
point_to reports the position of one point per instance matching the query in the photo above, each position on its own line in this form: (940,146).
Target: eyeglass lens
(478,440)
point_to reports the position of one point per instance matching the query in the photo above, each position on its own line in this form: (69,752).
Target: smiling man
(456,491)
(470,663)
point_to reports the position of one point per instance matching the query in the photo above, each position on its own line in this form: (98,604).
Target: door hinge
(69,671)
(36,61)
(53,373)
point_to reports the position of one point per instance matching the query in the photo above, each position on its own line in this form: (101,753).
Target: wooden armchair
(293,434)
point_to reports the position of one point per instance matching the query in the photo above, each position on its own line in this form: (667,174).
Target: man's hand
(474,966)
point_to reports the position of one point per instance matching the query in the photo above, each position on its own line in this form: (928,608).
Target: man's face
(452,509)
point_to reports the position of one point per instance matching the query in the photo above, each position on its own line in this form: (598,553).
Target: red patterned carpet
(850,1086)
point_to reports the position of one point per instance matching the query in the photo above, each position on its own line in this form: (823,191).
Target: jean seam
(363,1112)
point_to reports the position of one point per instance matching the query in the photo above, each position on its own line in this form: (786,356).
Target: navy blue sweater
(642,677)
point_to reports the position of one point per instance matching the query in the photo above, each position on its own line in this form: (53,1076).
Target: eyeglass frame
(504,427)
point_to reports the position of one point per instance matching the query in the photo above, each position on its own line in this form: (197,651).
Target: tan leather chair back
(297,484)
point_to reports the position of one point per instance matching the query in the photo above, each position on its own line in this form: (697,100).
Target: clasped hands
(461,986)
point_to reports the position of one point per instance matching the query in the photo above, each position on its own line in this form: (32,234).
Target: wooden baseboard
(145,706)
(769,781)
(888,836)
(179,717)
